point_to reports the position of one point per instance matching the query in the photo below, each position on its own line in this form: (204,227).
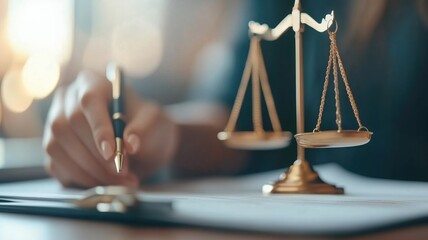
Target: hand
(79,138)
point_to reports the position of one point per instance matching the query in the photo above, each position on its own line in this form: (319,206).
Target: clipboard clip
(117,199)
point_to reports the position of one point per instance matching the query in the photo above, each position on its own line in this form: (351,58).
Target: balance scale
(300,177)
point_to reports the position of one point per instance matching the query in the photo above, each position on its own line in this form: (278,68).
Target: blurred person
(172,113)
(383,48)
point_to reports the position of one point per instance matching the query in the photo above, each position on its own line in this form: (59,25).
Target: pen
(115,75)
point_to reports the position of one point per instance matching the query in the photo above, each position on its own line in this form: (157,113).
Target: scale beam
(293,20)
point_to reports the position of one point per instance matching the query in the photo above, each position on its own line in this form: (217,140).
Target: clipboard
(112,203)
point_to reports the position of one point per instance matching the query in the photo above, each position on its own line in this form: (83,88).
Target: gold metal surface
(117,115)
(118,162)
(258,138)
(108,199)
(339,138)
(333,139)
(302,179)
(118,159)
(255,140)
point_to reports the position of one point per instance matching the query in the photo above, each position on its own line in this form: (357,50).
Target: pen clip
(113,74)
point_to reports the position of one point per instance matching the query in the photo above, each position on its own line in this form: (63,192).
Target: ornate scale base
(302,179)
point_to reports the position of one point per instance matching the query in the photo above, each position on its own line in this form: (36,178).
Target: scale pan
(333,139)
(255,140)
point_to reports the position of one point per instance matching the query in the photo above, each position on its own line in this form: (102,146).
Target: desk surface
(16,226)
(366,207)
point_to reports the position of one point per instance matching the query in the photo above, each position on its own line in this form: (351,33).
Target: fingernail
(134,141)
(107,150)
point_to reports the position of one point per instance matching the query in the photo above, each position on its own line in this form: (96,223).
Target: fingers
(95,97)
(64,169)
(79,124)
(75,158)
(73,165)
(70,174)
(77,152)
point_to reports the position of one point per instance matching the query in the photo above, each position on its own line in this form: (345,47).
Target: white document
(238,203)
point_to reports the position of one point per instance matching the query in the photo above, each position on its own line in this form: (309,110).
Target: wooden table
(18,226)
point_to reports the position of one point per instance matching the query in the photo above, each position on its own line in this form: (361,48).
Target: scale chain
(348,88)
(324,91)
(335,58)
(336,84)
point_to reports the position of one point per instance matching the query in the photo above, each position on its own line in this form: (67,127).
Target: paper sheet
(237,203)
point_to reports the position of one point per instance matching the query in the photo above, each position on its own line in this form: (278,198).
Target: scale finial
(297,5)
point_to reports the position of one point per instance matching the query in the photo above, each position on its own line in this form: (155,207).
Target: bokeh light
(40,76)
(41,27)
(13,93)
(137,45)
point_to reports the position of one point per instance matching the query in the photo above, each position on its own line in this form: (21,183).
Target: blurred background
(176,51)
(36,44)
(45,43)
(166,49)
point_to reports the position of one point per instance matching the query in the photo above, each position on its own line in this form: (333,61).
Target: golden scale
(300,177)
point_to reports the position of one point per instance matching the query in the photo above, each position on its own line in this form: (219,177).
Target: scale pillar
(300,93)
(300,177)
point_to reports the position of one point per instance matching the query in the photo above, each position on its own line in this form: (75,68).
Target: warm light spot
(137,46)
(41,27)
(13,93)
(40,76)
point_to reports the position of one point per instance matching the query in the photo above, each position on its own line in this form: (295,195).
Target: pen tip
(118,160)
